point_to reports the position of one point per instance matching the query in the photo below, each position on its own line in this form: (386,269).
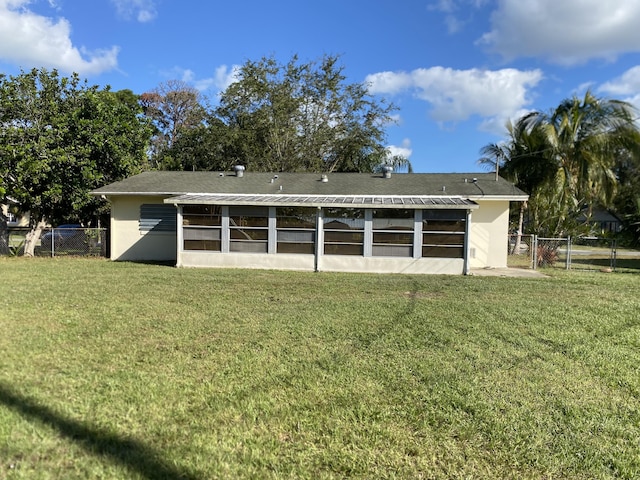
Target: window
(343,231)
(296,230)
(393,233)
(249,229)
(443,233)
(202,227)
(157,218)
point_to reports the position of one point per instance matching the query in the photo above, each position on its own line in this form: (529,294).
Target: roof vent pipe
(324,178)
(239,169)
(386,171)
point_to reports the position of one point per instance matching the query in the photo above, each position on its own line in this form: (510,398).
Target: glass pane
(248,234)
(403,238)
(296,236)
(201,210)
(248,247)
(393,223)
(249,211)
(443,252)
(344,218)
(392,251)
(296,217)
(243,221)
(296,248)
(344,237)
(392,219)
(444,214)
(201,215)
(201,233)
(211,245)
(443,226)
(442,239)
(202,220)
(342,249)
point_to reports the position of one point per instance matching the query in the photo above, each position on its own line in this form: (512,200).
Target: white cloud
(31,40)
(452,9)
(626,84)
(445,6)
(626,87)
(457,95)
(221,79)
(225,76)
(404,150)
(143,10)
(564,31)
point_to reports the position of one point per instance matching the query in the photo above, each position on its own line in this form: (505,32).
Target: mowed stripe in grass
(119,370)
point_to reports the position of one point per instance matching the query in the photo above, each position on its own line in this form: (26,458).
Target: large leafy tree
(60,138)
(566,159)
(173,108)
(291,117)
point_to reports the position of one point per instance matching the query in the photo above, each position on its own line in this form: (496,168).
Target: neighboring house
(12,219)
(394,223)
(602,222)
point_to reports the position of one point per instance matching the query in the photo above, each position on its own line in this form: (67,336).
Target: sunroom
(392,234)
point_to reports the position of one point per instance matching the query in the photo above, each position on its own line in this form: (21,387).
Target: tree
(584,138)
(173,107)
(627,201)
(291,117)
(565,159)
(59,139)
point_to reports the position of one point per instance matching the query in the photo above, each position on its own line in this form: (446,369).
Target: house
(13,219)
(601,221)
(393,223)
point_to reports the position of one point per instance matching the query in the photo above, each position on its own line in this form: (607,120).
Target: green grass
(119,370)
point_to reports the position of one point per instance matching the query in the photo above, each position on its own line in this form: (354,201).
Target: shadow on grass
(132,454)
(620,263)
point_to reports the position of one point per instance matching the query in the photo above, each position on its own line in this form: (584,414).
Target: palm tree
(520,159)
(582,138)
(565,159)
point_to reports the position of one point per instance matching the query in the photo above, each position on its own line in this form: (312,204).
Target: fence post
(568,266)
(614,254)
(534,254)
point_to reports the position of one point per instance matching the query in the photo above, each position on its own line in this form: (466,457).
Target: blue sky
(457,69)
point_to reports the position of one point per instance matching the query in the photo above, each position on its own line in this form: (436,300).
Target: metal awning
(351,201)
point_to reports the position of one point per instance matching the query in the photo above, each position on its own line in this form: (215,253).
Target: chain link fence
(593,253)
(55,242)
(521,248)
(552,253)
(570,253)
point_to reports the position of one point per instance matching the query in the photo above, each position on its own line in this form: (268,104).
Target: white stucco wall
(326,263)
(128,242)
(489,234)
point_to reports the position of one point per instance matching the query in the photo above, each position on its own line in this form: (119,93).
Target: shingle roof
(440,185)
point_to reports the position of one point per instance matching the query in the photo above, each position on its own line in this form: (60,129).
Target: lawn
(120,370)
